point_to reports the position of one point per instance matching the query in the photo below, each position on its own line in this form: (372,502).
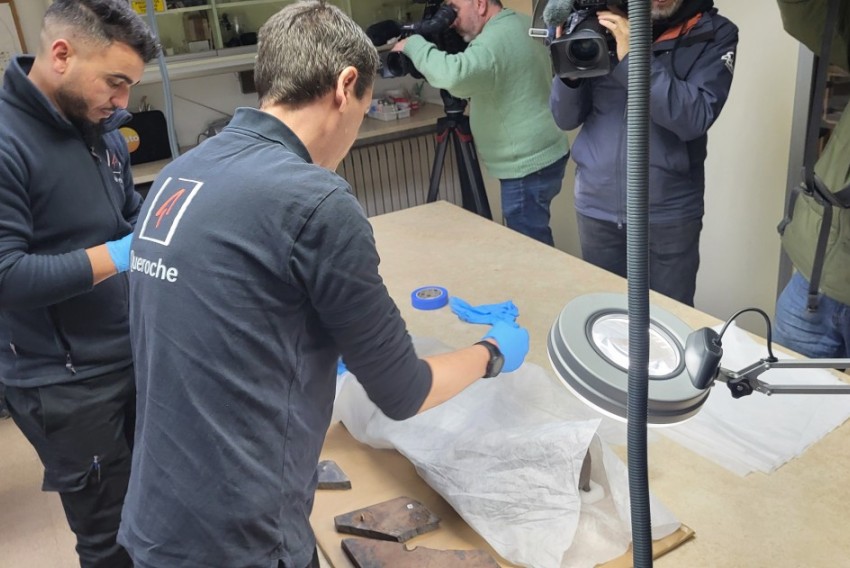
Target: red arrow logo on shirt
(165,209)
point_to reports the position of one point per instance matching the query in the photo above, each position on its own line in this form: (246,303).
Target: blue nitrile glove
(340,367)
(513,343)
(119,252)
(485,313)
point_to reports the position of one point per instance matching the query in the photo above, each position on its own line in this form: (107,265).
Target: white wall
(30,13)
(747,167)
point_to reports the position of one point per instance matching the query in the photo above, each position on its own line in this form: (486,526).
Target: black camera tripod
(454,128)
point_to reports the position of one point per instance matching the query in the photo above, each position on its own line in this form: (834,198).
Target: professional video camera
(434,26)
(586,48)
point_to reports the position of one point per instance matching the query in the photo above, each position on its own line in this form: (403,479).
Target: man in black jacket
(253,269)
(67,211)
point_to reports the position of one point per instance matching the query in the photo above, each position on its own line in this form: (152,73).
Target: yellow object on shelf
(141,7)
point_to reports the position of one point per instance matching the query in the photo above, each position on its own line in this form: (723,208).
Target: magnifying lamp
(588,349)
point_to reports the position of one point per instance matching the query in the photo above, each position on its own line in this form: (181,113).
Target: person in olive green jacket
(818,326)
(506,75)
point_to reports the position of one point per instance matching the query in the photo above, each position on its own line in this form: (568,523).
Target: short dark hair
(302,50)
(105,21)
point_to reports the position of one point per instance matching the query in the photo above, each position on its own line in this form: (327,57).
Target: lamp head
(588,349)
(702,357)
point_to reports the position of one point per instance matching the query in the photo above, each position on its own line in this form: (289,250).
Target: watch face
(496,364)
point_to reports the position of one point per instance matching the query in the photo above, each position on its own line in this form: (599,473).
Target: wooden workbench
(794,517)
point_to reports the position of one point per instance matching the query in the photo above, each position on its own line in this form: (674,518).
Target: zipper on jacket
(66,346)
(118,213)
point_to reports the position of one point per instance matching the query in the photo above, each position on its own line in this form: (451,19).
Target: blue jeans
(526,200)
(673,253)
(824,333)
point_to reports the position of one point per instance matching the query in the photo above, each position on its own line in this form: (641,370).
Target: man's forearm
(453,372)
(32,280)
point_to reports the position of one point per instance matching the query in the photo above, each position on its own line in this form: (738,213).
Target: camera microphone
(382,32)
(557,12)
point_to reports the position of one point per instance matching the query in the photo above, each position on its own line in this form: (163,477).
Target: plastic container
(385,114)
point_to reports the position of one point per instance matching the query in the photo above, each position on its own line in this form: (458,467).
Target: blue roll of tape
(429,297)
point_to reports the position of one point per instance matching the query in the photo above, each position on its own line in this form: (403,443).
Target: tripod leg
(472,182)
(442,138)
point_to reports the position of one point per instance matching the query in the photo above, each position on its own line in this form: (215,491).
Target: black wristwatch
(496,362)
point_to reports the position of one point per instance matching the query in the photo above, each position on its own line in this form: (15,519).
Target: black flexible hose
(637,228)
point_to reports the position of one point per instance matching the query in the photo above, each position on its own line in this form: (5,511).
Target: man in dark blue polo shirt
(253,268)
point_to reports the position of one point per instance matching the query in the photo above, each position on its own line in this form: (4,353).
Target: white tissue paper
(506,454)
(759,432)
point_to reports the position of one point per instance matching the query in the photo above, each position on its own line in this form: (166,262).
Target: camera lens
(398,64)
(584,52)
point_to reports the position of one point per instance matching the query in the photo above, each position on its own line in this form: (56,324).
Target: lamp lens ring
(608,334)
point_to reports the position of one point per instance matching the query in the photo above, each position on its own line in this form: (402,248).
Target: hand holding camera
(618,25)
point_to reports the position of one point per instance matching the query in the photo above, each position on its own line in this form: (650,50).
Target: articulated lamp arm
(744,382)
(703,352)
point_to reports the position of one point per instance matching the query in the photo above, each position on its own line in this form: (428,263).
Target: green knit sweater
(507,77)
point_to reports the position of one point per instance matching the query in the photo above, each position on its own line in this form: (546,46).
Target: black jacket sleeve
(336,261)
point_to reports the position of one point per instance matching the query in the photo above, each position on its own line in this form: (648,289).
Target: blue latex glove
(119,252)
(513,343)
(485,313)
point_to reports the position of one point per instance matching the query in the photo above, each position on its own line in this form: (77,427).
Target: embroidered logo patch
(729,61)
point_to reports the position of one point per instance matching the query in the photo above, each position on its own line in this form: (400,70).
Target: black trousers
(83,434)
(673,253)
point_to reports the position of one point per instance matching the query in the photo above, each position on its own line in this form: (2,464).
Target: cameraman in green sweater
(506,75)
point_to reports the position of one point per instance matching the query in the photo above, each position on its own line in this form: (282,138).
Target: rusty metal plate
(398,519)
(365,553)
(331,476)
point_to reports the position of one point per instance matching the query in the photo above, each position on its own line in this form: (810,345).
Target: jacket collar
(266,126)
(699,29)
(680,29)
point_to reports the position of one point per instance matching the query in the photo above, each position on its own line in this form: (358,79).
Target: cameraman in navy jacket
(693,56)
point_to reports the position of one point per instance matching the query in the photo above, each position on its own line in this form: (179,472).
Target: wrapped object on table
(506,454)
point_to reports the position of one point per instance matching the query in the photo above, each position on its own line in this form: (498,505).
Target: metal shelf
(202,66)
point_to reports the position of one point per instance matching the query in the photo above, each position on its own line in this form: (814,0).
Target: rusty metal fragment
(398,519)
(365,553)
(331,476)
